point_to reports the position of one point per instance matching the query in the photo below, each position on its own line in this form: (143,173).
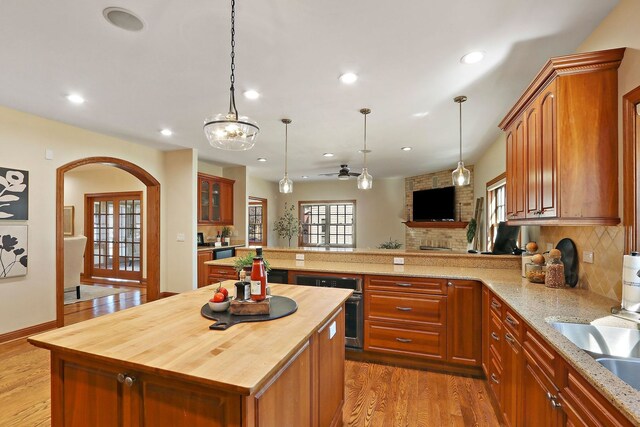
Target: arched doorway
(153,225)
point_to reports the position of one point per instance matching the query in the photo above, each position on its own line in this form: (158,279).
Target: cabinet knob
(128,381)
(120,378)
(494,379)
(495,336)
(556,405)
(509,338)
(449,283)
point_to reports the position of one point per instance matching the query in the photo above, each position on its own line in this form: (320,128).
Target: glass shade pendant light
(365,181)
(461,176)
(286,185)
(230,131)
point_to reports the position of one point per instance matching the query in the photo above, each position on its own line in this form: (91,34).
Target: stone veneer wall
(604,276)
(454,238)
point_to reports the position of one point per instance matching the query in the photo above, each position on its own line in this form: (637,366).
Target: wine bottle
(258,277)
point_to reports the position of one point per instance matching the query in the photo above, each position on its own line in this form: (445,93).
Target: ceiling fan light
(343,177)
(365,181)
(286,185)
(461,176)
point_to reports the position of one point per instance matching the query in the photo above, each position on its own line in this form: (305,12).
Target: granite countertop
(217,248)
(536,305)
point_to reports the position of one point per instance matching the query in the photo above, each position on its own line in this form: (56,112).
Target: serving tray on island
(280,307)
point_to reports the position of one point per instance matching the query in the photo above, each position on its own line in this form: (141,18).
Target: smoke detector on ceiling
(123,18)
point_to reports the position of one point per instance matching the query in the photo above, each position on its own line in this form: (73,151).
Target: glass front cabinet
(215,195)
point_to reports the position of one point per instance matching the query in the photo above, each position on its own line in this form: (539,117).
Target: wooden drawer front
(512,323)
(542,354)
(422,342)
(496,306)
(406,284)
(495,335)
(585,406)
(226,272)
(495,376)
(422,310)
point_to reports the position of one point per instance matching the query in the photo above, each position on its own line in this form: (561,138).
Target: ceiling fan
(343,174)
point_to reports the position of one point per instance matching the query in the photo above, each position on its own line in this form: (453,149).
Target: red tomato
(223,291)
(218,297)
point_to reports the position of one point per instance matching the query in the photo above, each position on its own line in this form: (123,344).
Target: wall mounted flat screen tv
(436,204)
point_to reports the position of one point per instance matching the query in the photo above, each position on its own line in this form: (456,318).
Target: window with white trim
(497,207)
(328,223)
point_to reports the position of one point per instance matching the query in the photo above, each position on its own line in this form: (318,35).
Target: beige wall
(23,140)
(379,211)
(240,209)
(92,179)
(180,231)
(450,238)
(209,168)
(264,189)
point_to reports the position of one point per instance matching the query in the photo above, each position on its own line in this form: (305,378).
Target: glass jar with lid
(555,270)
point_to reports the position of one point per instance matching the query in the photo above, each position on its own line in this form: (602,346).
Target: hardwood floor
(25,385)
(380,395)
(376,395)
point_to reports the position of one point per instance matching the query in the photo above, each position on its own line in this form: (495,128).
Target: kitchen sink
(628,370)
(602,340)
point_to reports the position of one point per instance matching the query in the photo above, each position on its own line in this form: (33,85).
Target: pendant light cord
(460,103)
(232,98)
(286,147)
(365,140)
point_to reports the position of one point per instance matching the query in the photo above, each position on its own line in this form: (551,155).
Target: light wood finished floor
(376,395)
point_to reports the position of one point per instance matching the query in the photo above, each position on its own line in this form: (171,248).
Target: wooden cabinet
(203,269)
(219,273)
(215,196)
(464,322)
(485,329)
(432,319)
(86,393)
(561,143)
(585,406)
(330,341)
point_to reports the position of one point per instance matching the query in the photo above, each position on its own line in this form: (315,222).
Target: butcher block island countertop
(159,362)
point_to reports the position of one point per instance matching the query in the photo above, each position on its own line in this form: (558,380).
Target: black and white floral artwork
(14,194)
(13,250)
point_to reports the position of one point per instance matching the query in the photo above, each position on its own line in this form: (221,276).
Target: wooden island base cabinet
(159,365)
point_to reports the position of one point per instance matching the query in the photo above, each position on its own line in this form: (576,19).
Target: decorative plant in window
(471,230)
(287,226)
(390,244)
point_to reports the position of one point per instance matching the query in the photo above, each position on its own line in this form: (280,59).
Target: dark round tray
(280,307)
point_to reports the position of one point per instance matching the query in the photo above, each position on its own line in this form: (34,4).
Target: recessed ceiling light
(166,132)
(422,114)
(262,159)
(75,98)
(305,177)
(251,94)
(348,78)
(328,154)
(406,148)
(472,57)
(123,18)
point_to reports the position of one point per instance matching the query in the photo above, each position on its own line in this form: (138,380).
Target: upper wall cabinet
(562,143)
(215,195)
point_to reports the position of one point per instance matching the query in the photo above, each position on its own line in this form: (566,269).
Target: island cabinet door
(329,345)
(464,322)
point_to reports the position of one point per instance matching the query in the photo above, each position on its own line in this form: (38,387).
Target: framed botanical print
(67,220)
(13,251)
(14,194)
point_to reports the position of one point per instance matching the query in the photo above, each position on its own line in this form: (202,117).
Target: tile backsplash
(604,276)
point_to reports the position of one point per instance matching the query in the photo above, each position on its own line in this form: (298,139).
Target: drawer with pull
(512,323)
(495,335)
(406,284)
(421,342)
(394,307)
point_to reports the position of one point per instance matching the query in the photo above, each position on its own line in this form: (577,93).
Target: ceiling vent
(122,18)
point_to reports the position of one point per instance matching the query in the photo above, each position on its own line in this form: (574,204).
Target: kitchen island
(159,364)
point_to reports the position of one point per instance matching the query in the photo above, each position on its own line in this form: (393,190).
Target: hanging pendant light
(286,185)
(461,176)
(230,131)
(365,181)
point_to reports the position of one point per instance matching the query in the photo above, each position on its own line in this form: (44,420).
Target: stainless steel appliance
(354,306)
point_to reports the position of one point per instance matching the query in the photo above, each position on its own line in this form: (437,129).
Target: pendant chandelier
(286,185)
(365,181)
(230,131)
(461,176)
